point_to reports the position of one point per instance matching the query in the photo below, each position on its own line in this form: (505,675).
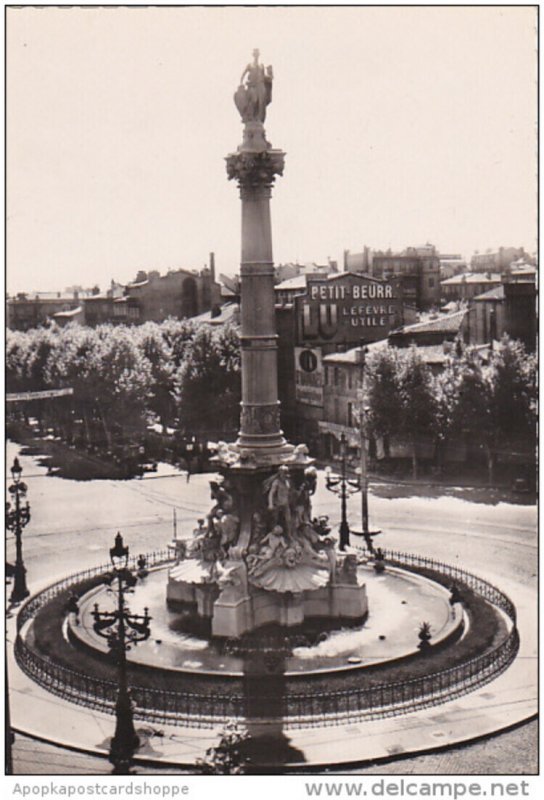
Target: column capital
(255,170)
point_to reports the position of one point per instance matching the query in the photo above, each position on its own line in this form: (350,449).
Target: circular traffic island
(433,632)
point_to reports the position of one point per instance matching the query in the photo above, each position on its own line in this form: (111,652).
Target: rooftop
(230,284)
(445,323)
(496,293)
(450,307)
(137,285)
(73,312)
(350,356)
(431,354)
(298,282)
(522,270)
(472,277)
(230,312)
(26,297)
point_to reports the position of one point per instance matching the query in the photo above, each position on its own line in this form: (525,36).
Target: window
(431,283)
(350,415)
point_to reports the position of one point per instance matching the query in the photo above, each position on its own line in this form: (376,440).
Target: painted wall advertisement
(348,308)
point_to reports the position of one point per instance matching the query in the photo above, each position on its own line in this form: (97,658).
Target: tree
(110,376)
(17,344)
(42,342)
(382,394)
(158,353)
(476,404)
(498,400)
(207,384)
(514,391)
(446,388)
(226,758)
(416,399)
(178,335)
(125,383)
(76,364)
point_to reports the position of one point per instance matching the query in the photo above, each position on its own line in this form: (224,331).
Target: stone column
(255,167)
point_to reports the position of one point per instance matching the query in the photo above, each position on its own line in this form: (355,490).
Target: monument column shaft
(259,353)
(260,417)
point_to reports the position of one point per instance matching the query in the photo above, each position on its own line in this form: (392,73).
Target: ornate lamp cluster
(17,518)
(122,629)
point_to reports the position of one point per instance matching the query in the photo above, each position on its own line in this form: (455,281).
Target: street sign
(309,376)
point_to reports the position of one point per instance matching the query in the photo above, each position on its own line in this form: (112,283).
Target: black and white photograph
(271,399)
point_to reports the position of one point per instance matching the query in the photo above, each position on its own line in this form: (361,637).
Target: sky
(402,125)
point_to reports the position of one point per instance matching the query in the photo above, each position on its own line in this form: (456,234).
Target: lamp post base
(20,590)
(344,534)
(125,741)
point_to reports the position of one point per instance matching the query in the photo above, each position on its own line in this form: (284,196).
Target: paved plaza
(512,752)
(73,524)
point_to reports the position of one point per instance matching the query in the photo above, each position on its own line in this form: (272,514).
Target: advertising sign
(347,308)
(309,376)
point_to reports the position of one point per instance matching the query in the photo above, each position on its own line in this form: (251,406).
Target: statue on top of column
(252,98)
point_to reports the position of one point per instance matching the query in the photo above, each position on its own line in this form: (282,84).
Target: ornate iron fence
(298,709)
(479,585)
(33,604)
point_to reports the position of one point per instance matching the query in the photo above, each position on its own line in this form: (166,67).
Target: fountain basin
(398,601)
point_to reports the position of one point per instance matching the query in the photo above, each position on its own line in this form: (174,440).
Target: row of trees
(178,373)
(187,375)
(491,401)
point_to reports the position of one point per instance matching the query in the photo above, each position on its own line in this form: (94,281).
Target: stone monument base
(236,611)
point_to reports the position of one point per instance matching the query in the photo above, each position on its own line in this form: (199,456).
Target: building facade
(468,285)
(418,268)
(32,310)
(498,260)
(419,274)
(322,315)
(155,297)
(180,293)
(506,309)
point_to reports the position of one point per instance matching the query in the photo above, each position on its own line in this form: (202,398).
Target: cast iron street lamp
(17,518)
(122,629)
(344,487)
(367,534)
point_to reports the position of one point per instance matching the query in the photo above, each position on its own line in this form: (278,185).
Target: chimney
(212,266)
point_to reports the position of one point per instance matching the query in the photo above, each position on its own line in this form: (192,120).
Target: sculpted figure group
(291,537)
(215,535)
(283,536)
